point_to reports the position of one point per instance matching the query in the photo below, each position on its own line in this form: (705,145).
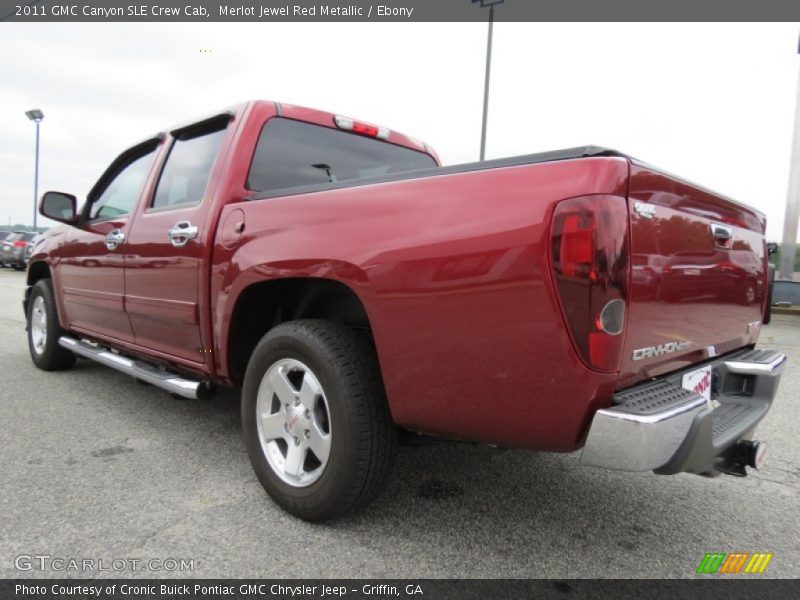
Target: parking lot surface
(95,466)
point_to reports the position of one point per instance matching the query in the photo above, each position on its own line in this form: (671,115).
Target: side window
(185,176)
(120,195)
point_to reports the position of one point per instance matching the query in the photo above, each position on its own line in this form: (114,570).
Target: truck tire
(315,418)
(44,330)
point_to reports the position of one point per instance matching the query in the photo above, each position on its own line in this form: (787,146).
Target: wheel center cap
(296,421)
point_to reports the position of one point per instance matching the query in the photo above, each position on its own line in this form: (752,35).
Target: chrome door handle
(114,238)
(722,235)
(182,233)
(721,232)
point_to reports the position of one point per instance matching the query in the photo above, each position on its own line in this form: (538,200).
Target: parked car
(13,250)
(351,287)
(646,273)
(717,273)
(4,235)
(31,245)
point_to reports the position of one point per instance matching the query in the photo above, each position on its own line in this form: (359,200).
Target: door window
(185,176)
(121,193)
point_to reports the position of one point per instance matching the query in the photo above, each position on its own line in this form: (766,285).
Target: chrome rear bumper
(659,426)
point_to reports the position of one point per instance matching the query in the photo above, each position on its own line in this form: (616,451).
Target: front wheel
(315,419)
(44,330)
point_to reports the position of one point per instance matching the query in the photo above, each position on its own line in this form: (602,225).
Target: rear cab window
(294,154)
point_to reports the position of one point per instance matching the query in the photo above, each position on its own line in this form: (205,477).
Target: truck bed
(499,163)
(663,309)
(452,216)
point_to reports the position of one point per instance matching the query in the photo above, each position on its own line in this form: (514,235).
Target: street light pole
(36,116)
(790,222)
(484,4)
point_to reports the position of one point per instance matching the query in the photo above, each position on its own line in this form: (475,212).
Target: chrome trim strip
(631,444)
(744,367)
(165,380)
(657,417)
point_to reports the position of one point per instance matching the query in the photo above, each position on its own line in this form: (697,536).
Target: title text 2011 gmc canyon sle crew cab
(352,287)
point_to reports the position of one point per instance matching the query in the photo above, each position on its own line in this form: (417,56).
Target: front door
(91,265)
(166,248)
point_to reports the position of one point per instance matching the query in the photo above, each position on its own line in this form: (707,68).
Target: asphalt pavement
(95,466)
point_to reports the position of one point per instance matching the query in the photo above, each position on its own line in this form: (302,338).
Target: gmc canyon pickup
(353,288)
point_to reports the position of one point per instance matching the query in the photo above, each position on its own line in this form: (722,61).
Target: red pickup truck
(353,288)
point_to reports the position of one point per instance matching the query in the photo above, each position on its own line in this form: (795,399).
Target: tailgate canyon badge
(668,348)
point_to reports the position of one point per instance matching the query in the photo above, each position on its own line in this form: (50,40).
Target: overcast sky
(713,103)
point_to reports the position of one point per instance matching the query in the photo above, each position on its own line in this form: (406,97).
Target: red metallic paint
(92,280)
(165,295)
(453,272)
(707,306)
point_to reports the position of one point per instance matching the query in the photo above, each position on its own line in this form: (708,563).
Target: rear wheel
(315,419)
(44,330)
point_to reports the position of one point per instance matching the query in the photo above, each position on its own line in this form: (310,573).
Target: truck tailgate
(698,275)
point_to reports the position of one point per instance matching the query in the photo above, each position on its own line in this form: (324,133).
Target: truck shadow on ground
(451,501)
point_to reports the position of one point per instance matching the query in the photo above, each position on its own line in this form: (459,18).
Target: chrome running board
(187,388)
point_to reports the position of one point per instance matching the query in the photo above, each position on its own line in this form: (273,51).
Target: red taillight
(349,124)
(590,265)
(20,244)
(576,244)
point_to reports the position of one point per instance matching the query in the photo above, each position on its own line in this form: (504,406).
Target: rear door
(92,255)
(168,243)
(699,273)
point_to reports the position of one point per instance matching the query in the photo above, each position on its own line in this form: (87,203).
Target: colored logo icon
(734,562)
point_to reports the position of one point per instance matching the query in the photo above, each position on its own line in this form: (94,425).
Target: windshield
(292,154)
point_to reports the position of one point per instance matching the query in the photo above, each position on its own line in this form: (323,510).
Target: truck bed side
(453,271)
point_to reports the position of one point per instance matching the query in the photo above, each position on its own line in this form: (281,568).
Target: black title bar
(397,10)
(734,588)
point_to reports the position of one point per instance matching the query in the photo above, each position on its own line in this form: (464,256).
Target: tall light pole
(789,244)
(36,116)
(484,4)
